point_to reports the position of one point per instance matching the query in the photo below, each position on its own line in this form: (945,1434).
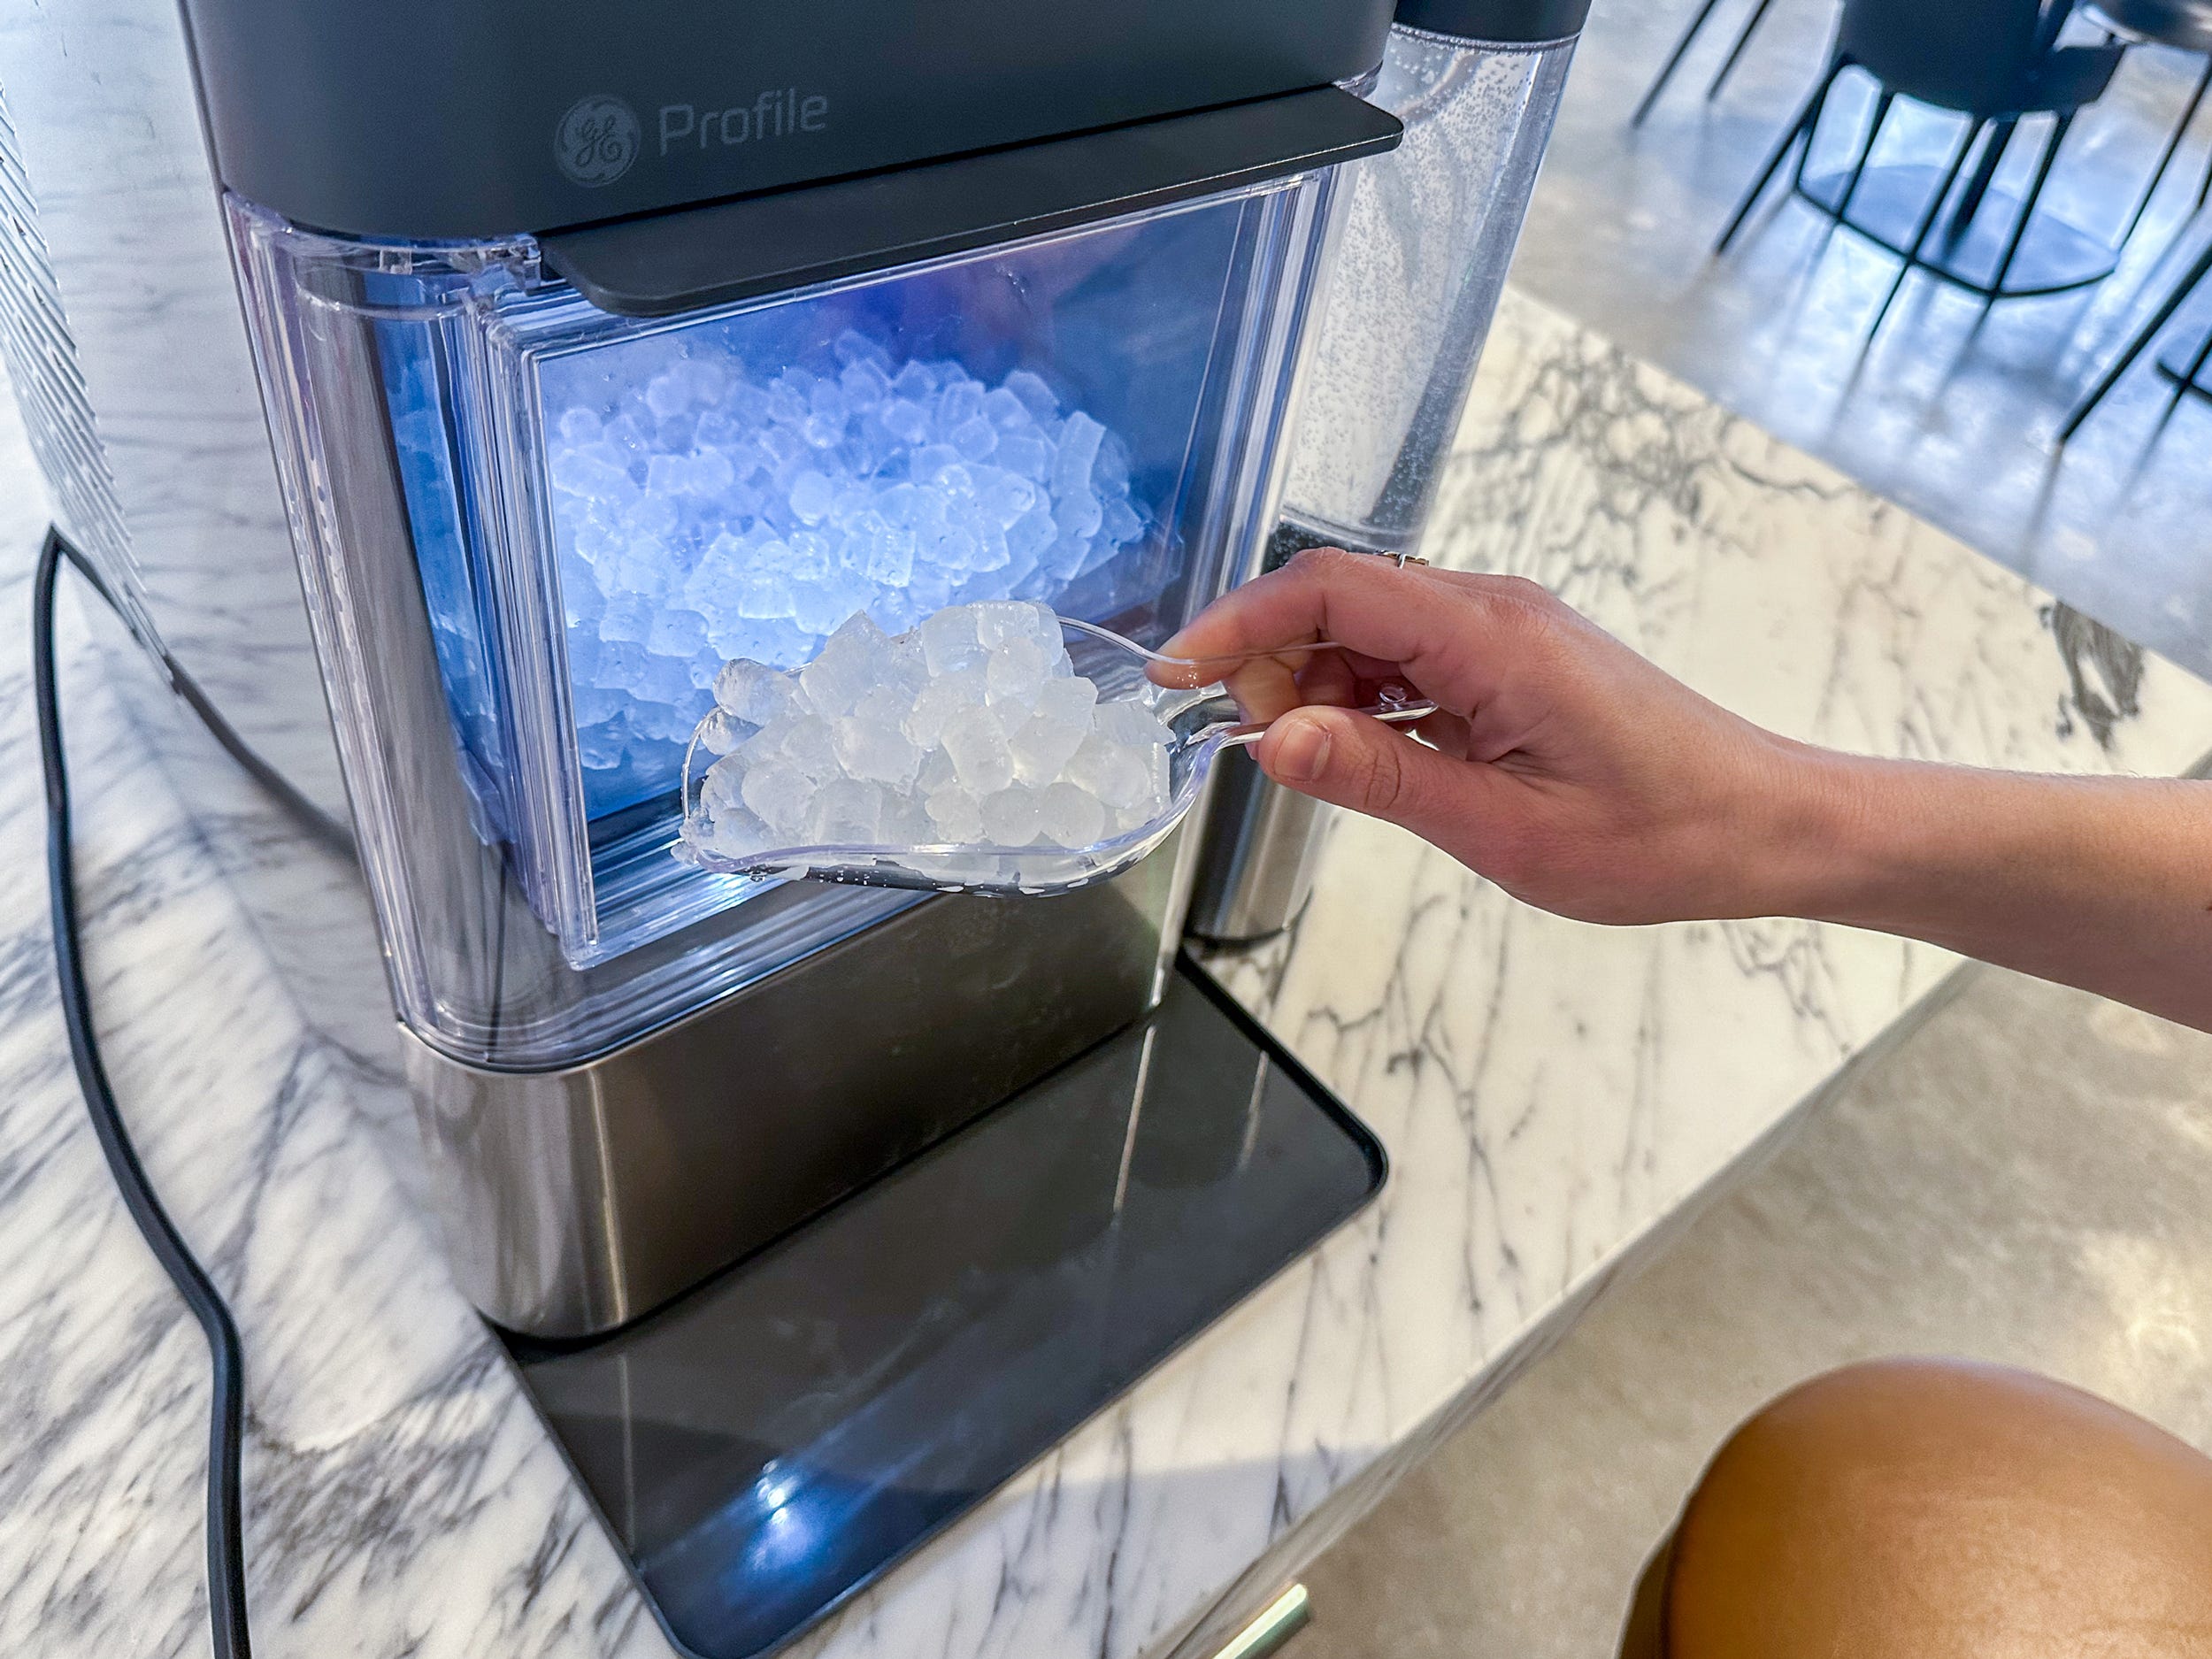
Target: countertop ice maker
(454,389)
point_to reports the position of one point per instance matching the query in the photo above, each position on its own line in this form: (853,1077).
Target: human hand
(1562,766)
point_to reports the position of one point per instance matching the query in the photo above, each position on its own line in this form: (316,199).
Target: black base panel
(768,1444)
(1886,210)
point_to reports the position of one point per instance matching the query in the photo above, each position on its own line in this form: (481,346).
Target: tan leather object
(1939,1509)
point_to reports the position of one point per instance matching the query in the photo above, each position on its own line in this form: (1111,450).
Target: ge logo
(597,140)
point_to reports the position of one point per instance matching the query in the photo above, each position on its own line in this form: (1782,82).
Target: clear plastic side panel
(532,531)
(1428,231)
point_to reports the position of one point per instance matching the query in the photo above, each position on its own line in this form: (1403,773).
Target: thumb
(1348,759)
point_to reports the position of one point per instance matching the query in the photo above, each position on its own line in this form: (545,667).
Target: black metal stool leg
(1977,187)
(1873,136)
(2197,363)
(2027,207)
(2143,337)
(1812,131)
(1735,52)
(1674,62)
(2158,174)
(1800,127)
(1927,221)
(2188,382)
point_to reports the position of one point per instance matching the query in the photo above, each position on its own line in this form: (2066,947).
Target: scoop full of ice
(973,729)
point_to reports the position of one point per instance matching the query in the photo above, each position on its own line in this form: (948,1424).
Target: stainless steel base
(765,1448)
(1262,844)
(576,1200)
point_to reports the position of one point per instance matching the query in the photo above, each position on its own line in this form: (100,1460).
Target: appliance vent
(41,361)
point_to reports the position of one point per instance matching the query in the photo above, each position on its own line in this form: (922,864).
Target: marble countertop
(1551,1095)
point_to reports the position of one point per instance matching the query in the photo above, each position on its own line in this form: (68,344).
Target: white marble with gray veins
(1549,1094)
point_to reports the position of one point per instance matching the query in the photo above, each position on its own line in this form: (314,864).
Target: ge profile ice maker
(544,486)
(555,354)
(599,346)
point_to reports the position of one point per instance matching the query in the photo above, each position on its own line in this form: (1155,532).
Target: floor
(2021,1179)
(1950,413)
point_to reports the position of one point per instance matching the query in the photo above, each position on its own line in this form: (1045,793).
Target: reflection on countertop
(1549,1095)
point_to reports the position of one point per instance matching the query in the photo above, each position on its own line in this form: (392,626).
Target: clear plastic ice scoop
(955,762)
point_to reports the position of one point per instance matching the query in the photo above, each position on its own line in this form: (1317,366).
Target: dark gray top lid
(476,119)
(1509,22)
(666,262)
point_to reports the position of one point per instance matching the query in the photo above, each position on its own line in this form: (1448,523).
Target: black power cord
(226,1547)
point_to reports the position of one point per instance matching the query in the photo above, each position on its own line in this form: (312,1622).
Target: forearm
(2103,883)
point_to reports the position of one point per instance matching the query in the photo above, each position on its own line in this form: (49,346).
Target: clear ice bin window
(532,531)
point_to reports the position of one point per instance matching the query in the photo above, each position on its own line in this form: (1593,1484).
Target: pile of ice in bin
(972,729)
(705,516)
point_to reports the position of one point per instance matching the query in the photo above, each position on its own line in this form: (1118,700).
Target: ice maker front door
(1066,420)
